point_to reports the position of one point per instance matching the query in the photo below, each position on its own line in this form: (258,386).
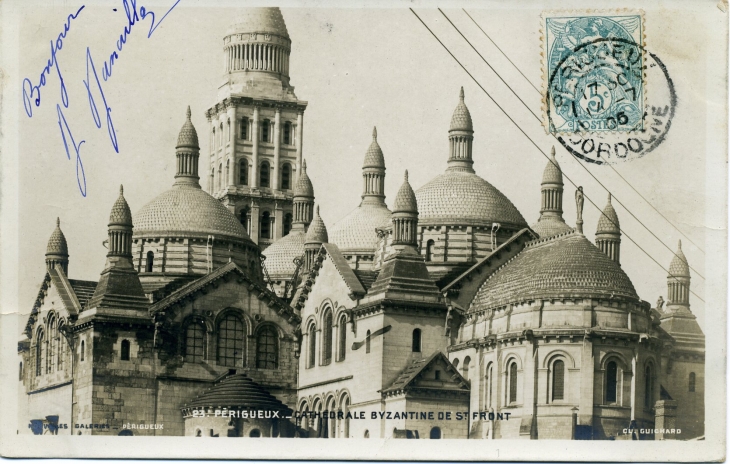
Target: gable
(432,373)
(328,284)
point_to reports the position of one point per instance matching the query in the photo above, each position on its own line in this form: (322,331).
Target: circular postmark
(597,103)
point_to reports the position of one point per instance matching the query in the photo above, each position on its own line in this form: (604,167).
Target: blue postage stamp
(593,72)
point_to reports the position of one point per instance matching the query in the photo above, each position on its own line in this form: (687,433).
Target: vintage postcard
(332,229)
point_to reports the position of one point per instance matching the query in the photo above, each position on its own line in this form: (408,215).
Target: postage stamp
(593,72)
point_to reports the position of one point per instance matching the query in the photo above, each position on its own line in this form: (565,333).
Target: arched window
(83,350)
(124,352)
(243,172)
(312,345)
(150,262)
(255,433)
(327,339)
(52,341)
(489,382)
(558,380)
(213,138)
(455,362)
(40,352)
(287,133)
(220,176)
(692,380)
(264,175)
(62,346)
(20,371)
(220,136)
(228,172)
(243,216)
(286,176)
(611,381)
(230,341)
(429,250)
(513,382)
(194,342)
(416,341)
(265,225)
(228,131)
(265,126)
(342,338)
(435,433)
(465,367)
(367,342)
(244,128)
(267,354)
(198,433)
(287,224)
(648,387)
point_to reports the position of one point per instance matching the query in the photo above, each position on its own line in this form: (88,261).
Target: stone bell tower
(256,127)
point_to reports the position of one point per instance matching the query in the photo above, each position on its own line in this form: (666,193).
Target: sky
(357,68)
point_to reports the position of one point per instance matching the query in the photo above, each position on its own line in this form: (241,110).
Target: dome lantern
(461,137)
(187,152)
(316,236)
(373,173)
(608,232)
(303,201)
(551,220)
(678,280)
(405,215)
(120,228)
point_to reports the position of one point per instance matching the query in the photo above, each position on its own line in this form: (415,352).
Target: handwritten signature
(92,83)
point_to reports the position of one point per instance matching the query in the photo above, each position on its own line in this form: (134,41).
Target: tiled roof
(459,197)
(281,254)
(84,290)
(461,119)
(565,266)
(344,269)
(184,210)
(57,242)
(549,226)
(188,136)
(356,231)
(366,277)
(263,20)
(415,368)
(374,156)
(552,173)
(317,231)
(608,223)
(121,214)
(679,266)
(405,199)
(303,187)
(238,391)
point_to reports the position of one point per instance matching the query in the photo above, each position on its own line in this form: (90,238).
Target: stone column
(587,368)
(211,144)
(255,154)
(277,147)
(231,110)
(254,222)
(278,218)
(300,132)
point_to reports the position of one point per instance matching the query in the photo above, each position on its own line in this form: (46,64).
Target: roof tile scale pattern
(679,267)
(303,187)
(238,391)
(356,231)
(263,20)
(549,226)
(188,136)
(374,156)
(317,232)
(608,223)
(57,242)
(120,214)
(281,254)
(461,119)
(405,199)
(564,266)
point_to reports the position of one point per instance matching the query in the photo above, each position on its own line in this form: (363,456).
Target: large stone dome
(187,211)
(565,266)
(261,20)
(463,198)
(281,254)
(356,231)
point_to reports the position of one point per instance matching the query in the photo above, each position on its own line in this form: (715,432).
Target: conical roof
(238,391)
(261,20)
(121,215)
(317,232)
(552,173)
(188,137)
(374,156)
(405,200)
(608,223)
(57,242)
(303,187)
(679,266)
(461,119)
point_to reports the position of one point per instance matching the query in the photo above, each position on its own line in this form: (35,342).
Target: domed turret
(405,215)
(316,236)
(57,249)
(608,233)
(120,227)
(374,156)
(551,220)
(461,137)
(461,118)
(188,136)
(121,215)
(187,152)
(304,187)
(678,280)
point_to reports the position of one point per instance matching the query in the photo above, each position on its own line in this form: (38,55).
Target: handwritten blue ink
(92,103)
(65,129)
(28,85)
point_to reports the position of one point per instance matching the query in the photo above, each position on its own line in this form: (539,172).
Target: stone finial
(188,113)
(405,176)
(579,200)
(375,133)
(609,197)
(304,165)
(317,210)
(121,189)
(552,152)
(461,94)
(679,245)
(58,222)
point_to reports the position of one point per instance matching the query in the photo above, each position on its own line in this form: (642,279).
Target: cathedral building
(444,316)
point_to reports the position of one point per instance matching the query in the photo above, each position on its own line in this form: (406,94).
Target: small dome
(281,254)
(262,20)
(356,231)
(461,119)
(238,391)
(121,215)
(374,156)
(188,137)
(459,197)
(405,200)
(568,266)
(549,226)
(317,232)
(679,266)
(552,173)
(608,223)
(187,211)
(303,187)
(57,242)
